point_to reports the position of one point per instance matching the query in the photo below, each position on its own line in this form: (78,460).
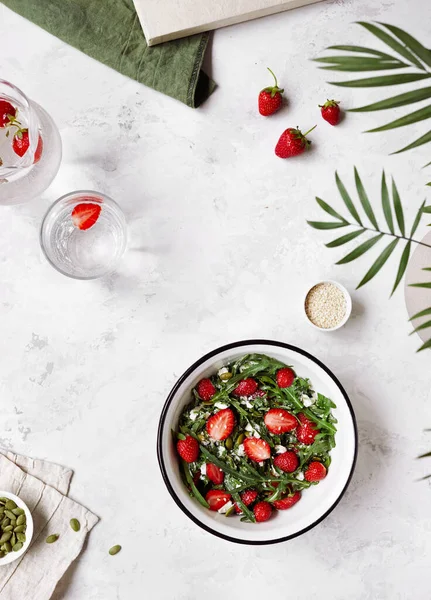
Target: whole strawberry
(315,472)
(331,111)
(292,142)
(188,449)
(270,98)
(6,112)
(262,511)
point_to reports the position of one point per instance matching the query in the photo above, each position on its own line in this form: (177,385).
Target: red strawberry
(257,449)
(331,111)
(85,215)
(221,425)
(285,377)
(315,472)
(205,389)
(262,511)
(21,144)
(188,449)
(270,98)
(278,420)
(247,497)
(6,109)
(217,499)
(292,142)
(287,461)
(215,474)
(287,502)
(246,387)
(306,432)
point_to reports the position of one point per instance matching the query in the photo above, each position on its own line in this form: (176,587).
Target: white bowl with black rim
(12,556)
(316,502)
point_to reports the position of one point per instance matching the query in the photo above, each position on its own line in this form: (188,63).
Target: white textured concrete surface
(219,251)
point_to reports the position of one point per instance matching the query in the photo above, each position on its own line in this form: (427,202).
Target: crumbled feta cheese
(280,449)
(300,476)
(204,469)
(254,430)
(256,435)
(220,405)
(248,427)
(245,402)
(261,463)
(223,510)
(221,450)
(222,371)
(193,414)
(240,450)
(307,401)
(274,472)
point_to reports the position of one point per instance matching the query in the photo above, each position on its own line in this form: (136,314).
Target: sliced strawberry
(246,387)
(257,449)
(6,111)
(306,432)
(220,425)
(188,449)
(287,461)
(279,420)
(85,215)
(247,498)
(315,472)
(217,499)
(39,150)
(287,502)
(205,389)
(285,377)
(215,474)
(262,511)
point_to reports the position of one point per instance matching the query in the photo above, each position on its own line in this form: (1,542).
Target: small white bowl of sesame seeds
(327,305)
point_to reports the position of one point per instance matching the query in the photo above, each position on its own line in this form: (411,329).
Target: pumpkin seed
(7,547)
(225,376)
(240,439)
(8,528)
(230,511)
(4,500)
(17,546)
(18,511)
(21,520)
(10,514)
(19,528)
(229,443)
(5,537)
(21,537)
(2,554)
(1,509)
(13,540)
(10,505)
(75,524)
(115,550)
(5,522)
(52,538)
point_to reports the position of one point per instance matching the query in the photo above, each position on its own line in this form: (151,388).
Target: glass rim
(69,196)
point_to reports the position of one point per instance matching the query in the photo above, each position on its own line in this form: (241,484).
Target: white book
(164,20)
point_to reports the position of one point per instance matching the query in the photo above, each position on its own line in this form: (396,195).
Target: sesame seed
(325,305)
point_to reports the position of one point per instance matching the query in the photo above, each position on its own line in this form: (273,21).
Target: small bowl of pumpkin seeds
(16,527)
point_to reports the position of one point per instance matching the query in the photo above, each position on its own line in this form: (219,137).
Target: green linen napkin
(109,31)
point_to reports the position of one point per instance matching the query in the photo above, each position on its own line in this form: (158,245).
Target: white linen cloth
(43,486)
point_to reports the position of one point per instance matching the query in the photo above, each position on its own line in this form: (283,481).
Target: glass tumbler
(30,147)
(84,234)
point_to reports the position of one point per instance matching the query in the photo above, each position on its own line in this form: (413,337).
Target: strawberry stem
(309,131)
(275,78)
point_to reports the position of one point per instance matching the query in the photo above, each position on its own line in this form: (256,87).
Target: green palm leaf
(347,200)
(392,43)
(426,285)
(329,210)
(378,264)
(326,225)
(408,53)
(386,204)
(403,266)
(414,117)
(398,207)
(417,219)
(382,80)
(396,101)
(425,347)
(410,42)
(421,327)
(364,200)
(423,313)
(344,239)
(360,250)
